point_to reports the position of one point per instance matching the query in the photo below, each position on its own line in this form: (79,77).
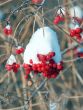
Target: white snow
(8,27)
(43,41)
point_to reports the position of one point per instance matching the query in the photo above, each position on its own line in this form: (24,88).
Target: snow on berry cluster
(39,55)
(12,65)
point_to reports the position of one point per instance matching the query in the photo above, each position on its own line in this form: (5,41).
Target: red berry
(42,69)
(31,61)
(18,51)
(54,65)
(27,71)
(78,36)
(21,50)
(15,70)
(44,74)
(7,30)
(51,54)
(41,57)
(25,66)
(48,57)
(51,61)
(37,1)
(8,67)
(78,30)
(39,69)
(80,54)
(56,20)
(17,66)
(34,67)
(46,67)
(59,67)
(72,32)
(61,18)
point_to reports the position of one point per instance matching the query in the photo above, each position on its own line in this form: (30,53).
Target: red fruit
(39,69)
(18,51)
(44,74)
(42,69)
(17,66)
(7,30)
(27,71)
(21,50)
(78,36)
(15,70)
(41,57)
(80,54)
(50,65)
(34,67)
(62,18)
(51,54)
(72,32)
(37,1)
(48,57)
(78,30)
(56,20)
(46,67)
(51,61)
(48,76)
(31,61)
(8,67)
(54,65)
(59,67)
(25,66)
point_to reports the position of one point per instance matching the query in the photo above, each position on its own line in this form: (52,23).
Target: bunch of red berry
(58,19)
(19,50)
(8,30)
(76,33)
(13,67)
(47,66)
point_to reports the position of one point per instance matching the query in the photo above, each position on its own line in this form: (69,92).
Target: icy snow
(43,41)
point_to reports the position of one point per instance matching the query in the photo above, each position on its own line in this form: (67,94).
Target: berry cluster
(76,33)
(47,66)
(8,30)
(13,67)
(19,50)
(58,19)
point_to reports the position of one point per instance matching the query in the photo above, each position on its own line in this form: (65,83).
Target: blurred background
(66,91)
